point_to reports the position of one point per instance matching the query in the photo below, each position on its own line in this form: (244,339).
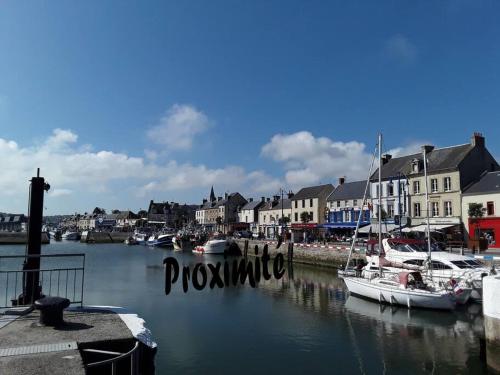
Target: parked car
(243,234)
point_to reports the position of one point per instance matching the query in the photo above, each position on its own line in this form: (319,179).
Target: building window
(447,183)
(435,209)
(390,210)
(246,219)
(356,216)
(490,208)
(355,202)
(265,218)
(311,217)
(296,204)
(376,190)
(338,203)
(310,202)
(416,210)
(346,203)
(390,189)
(303,203)
(434,185)
(447,208)
(416,187)
(296,216)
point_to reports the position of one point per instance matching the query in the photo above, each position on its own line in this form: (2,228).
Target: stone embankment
(317,254)
(104,237)
(19,238)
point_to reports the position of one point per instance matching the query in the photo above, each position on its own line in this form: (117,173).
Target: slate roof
(252,205)
(314,192)
(349,190)
(488,184)
(274,205)
(440,159)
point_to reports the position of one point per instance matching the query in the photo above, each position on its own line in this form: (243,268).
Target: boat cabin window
(474,263)
(415,262)
(465,263)
(410,248)
(439,266)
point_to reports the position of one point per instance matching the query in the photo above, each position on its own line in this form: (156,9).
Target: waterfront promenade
(336,254)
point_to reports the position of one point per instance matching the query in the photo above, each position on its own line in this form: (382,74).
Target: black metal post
(31,280)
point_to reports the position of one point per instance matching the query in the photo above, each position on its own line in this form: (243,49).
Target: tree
(476,211)
(284,220)
(304,217)
(99,211)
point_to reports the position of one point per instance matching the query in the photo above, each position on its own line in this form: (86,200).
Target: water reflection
(391,339)
(304,322)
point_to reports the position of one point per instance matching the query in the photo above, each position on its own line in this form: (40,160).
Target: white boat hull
(404,297)
(212,247)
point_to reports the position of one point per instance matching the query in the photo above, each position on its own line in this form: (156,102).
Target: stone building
(271,214)
(345,205)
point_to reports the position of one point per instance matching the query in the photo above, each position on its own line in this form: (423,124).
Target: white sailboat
(407,287)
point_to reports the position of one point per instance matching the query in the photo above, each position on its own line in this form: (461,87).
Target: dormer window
(415,166)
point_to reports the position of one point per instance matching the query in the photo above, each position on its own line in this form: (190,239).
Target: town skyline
(163,105)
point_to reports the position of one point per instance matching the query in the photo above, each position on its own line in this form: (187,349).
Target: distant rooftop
(349,190)
(488,184)
(314,192)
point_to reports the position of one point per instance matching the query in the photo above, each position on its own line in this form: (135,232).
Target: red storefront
(488,228)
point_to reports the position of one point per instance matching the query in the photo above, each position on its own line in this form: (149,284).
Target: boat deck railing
(128,362)
(58,276)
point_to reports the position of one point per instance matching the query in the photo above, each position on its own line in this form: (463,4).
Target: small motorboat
(71,236)
(161,240)
(213,246)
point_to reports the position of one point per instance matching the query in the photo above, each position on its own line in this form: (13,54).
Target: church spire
(212,195)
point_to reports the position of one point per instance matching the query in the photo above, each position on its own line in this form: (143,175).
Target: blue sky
(121,102)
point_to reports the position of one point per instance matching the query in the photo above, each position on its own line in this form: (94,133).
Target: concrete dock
(26,347)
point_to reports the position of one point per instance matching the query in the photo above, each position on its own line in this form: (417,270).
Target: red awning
(304,226)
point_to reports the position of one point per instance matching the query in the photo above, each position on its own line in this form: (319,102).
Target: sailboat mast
(424,151)
(379,213)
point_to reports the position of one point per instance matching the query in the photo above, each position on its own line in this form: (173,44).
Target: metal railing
(56,279)
(132,356)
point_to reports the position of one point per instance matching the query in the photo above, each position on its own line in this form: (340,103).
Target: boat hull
(212,247)
(404,297)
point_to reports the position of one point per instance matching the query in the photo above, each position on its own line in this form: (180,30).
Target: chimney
(204,201)
(263,199)
(477,140)
(250,199)
(290,194)
(386,158)
(427,148)
(341,180)
(225,196)
(269,199)
(276,198)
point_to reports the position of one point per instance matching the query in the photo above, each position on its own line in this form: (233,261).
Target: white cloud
(72,171)
(400,48)
(178,128)
(59,192)
(311,160)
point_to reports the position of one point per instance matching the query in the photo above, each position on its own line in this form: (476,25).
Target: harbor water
(304,322)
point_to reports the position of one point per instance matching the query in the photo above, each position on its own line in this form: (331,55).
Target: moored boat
(214,246)
(408,289)
(71,236)
(160,240)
